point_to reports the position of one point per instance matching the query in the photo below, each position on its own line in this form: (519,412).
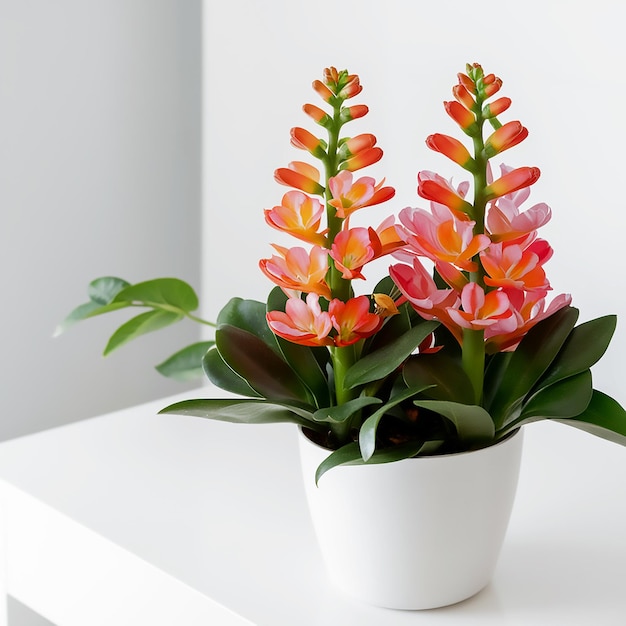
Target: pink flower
(302,322)
(417,286)
(529,308)
(440,236)
(482,310)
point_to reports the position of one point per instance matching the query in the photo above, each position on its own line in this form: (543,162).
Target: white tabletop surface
(220,508)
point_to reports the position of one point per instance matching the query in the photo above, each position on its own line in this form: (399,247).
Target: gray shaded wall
(100,157)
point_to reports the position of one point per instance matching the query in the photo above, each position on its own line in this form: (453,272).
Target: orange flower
(512,181)
(433,187)
(511,266)
(301,176)
(452,148)
(351,250)
(300,216)
(504,138)
(348,196)
(297,270)
(464,118)
(303,139)
(352,320)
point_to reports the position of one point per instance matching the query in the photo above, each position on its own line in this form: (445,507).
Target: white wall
(100,130)
(561,62)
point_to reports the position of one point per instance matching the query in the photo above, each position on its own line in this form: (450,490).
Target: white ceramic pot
(415,534)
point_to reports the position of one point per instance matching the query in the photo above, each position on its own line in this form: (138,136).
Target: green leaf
(530,360)
(165,293)
(218,372)
(604,417)
(566,398)
(248,315)
(342,412)
(473,424)
(380,363)
(265,371)
(583,348)
(350,454)
(103,290)
(186,364)
(444,374)
(243,411)
(140,325)
(85,311)
(367,433)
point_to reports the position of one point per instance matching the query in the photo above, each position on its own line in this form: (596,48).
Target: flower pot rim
(502,441)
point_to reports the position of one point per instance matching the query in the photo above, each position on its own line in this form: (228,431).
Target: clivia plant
(456,347)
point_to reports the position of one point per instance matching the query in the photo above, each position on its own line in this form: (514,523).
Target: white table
(141,519)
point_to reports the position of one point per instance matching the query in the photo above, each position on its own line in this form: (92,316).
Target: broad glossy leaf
(530,360)
(186,364)
(342,412)
(380,363)
(473,424)
(583,348)
(243,411)
(249,315)
(265,371)
(367,433)
(161,292)
(350,454)
(444,374)
(494,375)
(140,325)
(566,398)
(104,289)
(224,377)
(604,417)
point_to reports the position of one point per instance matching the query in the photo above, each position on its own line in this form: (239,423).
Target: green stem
(473,359)
(343,358)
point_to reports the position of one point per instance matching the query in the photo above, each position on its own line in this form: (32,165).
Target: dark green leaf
(169,293)
(444,374)
(248,315)
(584,347)
(186,364)
(530,360)
(350,454)
(265,371)
(103,290)
(224,377)
(140,325)
(380,363)
(243,411)
(566,398)
(604,417)
(342,412)
(367,433)
(473,424)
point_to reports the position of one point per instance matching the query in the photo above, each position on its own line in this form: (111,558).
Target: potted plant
(426,382)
